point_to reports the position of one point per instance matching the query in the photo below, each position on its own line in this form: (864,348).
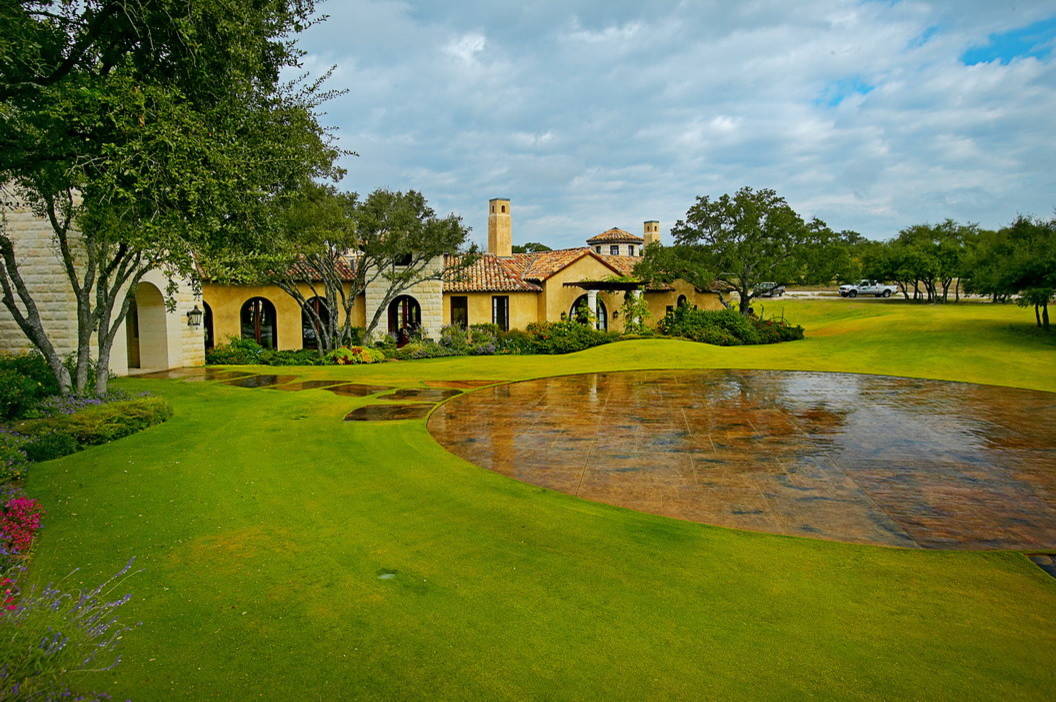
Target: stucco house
(509,289)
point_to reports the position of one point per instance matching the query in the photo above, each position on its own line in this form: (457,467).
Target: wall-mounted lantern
(194,317)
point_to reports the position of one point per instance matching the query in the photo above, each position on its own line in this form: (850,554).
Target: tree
(400,242)
(146,132)
(530,247)
(739,241)
(1017,260)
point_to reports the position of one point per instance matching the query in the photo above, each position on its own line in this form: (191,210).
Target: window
(460,311)
(208,314)
(504,208)
(597,249)
(682,301)
(614,250)
(314,308)
(258,322)
(405,318)
(630,249)
(402,260)
(500,311)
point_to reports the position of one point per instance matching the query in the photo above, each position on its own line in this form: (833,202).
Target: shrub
(32,365)
(351,355)
(52,639)
(455,338)
(484,333)
(516,341)
(102,423)
(49,445)
(726,327)
(13,457)
(18,393)
(235,352)
(566,337)
(302,357)
(20,520)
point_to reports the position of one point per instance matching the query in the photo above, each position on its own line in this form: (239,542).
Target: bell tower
(651,231)
(500,227)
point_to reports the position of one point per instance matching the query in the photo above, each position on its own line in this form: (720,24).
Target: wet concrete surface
(306,385)
(866,459)
(421,394)
(357,389)
(460,384)
(261,381)
(384,413)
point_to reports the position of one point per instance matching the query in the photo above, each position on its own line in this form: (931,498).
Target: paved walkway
(868,459)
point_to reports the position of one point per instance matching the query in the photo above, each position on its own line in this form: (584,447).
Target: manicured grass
(261,522)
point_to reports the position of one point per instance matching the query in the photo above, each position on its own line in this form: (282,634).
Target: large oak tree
(146,132)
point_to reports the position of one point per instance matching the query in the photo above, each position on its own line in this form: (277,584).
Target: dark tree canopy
(737,242)
(145,132)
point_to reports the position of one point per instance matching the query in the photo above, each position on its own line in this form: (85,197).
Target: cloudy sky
(872,115)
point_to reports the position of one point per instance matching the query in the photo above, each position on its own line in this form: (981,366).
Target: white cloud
(594,114)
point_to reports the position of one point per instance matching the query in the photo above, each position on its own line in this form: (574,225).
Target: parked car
(769,290)
(867,287)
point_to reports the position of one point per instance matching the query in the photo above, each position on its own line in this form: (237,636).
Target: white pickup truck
(867,287)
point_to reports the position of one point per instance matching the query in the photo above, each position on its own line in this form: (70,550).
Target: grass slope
(261,523)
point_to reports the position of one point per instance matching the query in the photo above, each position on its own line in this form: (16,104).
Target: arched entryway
(145,334)
(207,326)
(581,312)
(310,333)
(259,322)
(405,318)
(682,301)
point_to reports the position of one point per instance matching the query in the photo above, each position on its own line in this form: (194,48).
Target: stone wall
(44,274)
(42,269)
(429,294)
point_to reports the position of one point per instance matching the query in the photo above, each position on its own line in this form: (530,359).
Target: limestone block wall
(429,294)
(171,342)
(45,276)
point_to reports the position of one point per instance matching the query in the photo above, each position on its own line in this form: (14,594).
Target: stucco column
(592,305)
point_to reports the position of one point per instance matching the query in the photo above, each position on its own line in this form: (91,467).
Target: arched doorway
(682,301)
(405,317)
(581,312)
(310,333)
(145,334)
(207,326)
(259,323)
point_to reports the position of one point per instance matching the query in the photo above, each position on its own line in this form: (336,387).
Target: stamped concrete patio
(868,459)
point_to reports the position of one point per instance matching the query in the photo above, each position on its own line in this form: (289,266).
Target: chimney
(651,231)
(500,229)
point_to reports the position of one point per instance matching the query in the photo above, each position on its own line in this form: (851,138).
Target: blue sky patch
(1034,40)
(838,90)
(924,37)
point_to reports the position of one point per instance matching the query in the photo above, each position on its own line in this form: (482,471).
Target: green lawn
(261,521)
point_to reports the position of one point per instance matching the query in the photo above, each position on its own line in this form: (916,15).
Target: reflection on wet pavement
(306,385)
(869,459)
(422,394)
(374,413)
(261,381)
(460,384)
(357,390)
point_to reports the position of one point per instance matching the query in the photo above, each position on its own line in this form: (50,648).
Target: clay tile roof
(543,264)
(615,236)
(304,272)
(489,273)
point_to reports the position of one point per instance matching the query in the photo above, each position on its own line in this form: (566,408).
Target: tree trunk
(1037,315)
(745,301)
(1045,315)
(957,291)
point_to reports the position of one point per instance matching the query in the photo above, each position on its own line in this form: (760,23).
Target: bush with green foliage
(566,337)
(25,380)
(726,327)
(13,457)
(98,424)
(235,352)
(49,445)
(352,355)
